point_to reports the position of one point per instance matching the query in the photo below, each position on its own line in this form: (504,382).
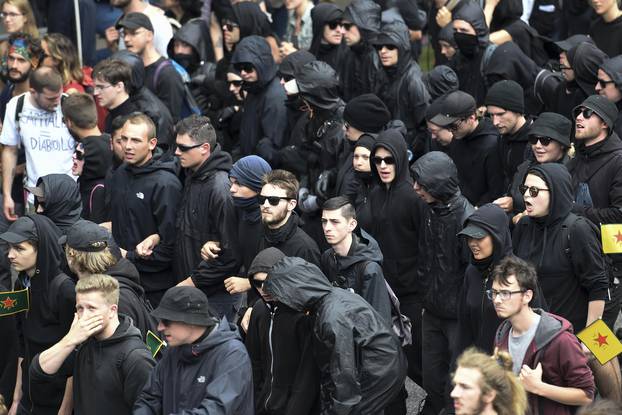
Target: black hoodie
(607,35)
(333,55)
(569,280)
(443,257)
(97,162)
(392,216)
(262,129)
(63,202)
(585,59)
(144,202)
(291,240)
(362,365)
(613,68)
(108,375)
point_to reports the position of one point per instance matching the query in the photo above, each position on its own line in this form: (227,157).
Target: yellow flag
(601,341)
(612,238)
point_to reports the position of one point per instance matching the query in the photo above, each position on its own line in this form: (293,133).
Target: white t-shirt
(46,140)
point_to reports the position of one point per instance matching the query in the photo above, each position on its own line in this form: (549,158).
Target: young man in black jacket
(123,362)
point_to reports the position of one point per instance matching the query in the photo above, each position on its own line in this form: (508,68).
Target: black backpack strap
(156,75)
(18,109)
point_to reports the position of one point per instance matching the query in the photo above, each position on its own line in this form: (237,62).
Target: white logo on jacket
(140,195)
(201,379)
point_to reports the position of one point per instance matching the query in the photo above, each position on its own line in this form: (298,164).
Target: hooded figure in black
(334,55)
(362,366)
(51,312)
(97,162)
(473,51)
(265,117)
(613,68)
(440,81)
(361,63)
(442,261)
(585,59)
(400,85)
(61,200)
(565,249)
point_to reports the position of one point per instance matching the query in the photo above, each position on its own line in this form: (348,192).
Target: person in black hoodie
(328,44)
(206,216)
(280,345)
(35,255)
(361,22)
(264,120)
(361,158)
(144,196)
(563,247)
(609,85)
(440,81)
(400,85)
(606,29)
(57,196)
(392,216)
(101,349)
(440,271)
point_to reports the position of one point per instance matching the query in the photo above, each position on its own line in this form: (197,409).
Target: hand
(83,328)
(286,49)
(246,319)
(237,285)
(112,38)
(531,378)
(210,250)
(506,203)
(443,17)
(145,248)
(517,217)
(9,208)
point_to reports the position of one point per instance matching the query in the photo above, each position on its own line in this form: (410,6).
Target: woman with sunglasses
(328,44)
(609,85)
(565,248)
(246,20)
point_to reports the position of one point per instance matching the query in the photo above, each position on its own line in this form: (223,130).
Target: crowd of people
(291,207)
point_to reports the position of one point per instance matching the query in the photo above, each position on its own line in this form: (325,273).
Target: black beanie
(604,108)
(366,141)
(367,113)
(264,261)
(508,95)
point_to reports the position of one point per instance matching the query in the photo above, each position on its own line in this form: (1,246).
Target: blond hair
(24,8)
(104,284)
(91,262)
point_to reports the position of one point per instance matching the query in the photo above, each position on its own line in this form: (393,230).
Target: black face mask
(467,44)
(186,60)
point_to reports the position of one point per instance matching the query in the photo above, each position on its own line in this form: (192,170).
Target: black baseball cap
(23,229)
(453,107)
(86,236)
(186,305)
(473,231)
(133,21)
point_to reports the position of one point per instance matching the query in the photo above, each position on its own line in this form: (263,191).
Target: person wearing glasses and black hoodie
(609,85)
(328,44)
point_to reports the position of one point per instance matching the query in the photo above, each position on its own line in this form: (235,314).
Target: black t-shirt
(608,36)
(164,81)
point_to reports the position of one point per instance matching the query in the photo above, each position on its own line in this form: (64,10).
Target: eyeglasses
(387,160)
(257,283)
(12,15)
(79,155)
(585,112)
(533,190)
(184,148)
(503,294)
(545,141)
(273,200)
(347,26)
(235,83)
(246,67)
(97,88)
(389,47)
(604,83)
(334,24)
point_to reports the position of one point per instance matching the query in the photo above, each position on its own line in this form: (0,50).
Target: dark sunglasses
(79,155)
(545,141)
(165,322)
(604,83)
(184,148)
(347,26)
(229,25)
(334,24)
(285,78)
(389,47)
(246,67)
(387,160)
(256,283)
(533,190)
(273,200)
(586,112)
(235,83)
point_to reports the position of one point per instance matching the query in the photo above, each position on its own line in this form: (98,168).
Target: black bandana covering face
(467,43)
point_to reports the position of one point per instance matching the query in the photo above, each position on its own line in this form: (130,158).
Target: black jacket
(265,116)
(97,161)
(585,59)
(166,83)
(513,150)
(362,366)
(144,201)
(360,271)
(211,376)
(443,257)
(569,262)
(477,160)
(333,55)
(63,203)
(206,213)
(392,215)
(108,375)
(292,241)
(285,375)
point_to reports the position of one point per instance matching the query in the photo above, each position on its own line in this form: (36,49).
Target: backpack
(189,105)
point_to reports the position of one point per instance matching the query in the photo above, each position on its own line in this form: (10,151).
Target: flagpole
(76,8)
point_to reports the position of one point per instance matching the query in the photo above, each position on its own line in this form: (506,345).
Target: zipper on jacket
(272,312)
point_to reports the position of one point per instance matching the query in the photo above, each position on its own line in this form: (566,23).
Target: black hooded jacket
(513,149)
(63,203)
(361,64)
(440,81)
(97,162)
(108,375)
(443,258)
(565,251)
(291,240)
(206,213)
(362,366)
(334,55)
(613,68)
(144,202)
(264,121)
(477,319)
(392,216)
(585,59)
(52,307)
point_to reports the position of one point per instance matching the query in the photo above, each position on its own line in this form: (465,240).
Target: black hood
(196,34)
(437,173)
(365,14)
(447,34)
(138,68)
(63,202)
(218,161)
(396,33)
(559,181)
(613,68)
(506,12)
(255,50)
(585,59)
(440,81)
(294,61)
(472,12)
(97,158)
(364,248)
(251,19)
(297,283)
(494,220)
(319,84)
(393,140)
(126,272)
(320,15)
(510,63)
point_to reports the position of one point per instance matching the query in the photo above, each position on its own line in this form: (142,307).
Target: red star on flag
(618,237)
(8,303)
(601,340)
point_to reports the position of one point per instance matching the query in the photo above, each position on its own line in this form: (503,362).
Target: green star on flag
(13,302)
